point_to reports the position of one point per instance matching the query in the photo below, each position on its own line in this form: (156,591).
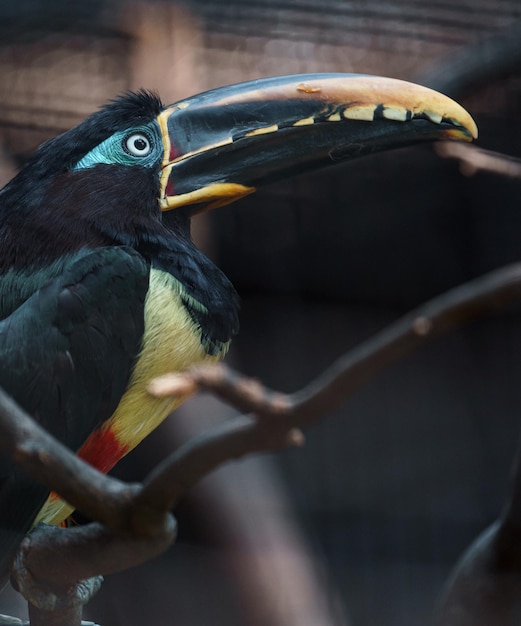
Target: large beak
(223,144)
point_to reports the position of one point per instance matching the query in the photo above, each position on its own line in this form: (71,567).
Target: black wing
(66,355)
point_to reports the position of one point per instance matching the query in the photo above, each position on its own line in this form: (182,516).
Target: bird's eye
(137,144)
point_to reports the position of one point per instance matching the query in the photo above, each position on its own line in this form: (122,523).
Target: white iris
(137,144)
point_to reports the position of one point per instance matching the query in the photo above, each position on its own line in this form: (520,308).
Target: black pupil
(140,144)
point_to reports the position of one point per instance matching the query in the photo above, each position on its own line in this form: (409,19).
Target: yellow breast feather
(171,343)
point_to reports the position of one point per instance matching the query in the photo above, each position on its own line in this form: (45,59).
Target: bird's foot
(77,594)
(41,596)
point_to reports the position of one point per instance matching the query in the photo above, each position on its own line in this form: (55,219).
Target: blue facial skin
(141,145)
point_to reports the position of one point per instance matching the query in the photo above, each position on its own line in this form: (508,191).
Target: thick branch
(89,551)
(55,466)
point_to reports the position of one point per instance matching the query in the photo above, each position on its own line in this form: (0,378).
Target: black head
(63,152)
(96,184)
(114,178)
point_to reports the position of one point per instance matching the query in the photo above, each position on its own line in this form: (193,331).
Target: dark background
(391,489)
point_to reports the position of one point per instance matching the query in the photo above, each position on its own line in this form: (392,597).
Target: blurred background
(364,524)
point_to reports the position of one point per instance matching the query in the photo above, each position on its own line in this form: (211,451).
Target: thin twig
(473,160)
(283,414)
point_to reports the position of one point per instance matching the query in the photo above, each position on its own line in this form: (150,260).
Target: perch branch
(55,466)
(135,523)
(281,416)
(473,160)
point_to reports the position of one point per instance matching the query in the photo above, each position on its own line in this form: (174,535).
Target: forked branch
(134,522)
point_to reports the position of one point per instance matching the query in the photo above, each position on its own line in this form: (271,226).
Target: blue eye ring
(137,144)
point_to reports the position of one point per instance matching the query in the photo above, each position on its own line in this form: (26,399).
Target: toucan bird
(101,287)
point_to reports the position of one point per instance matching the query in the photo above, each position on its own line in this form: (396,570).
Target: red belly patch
(102,450)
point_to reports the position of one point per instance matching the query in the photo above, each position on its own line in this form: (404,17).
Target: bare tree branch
(473,160)
(134,520)
(55,466)
(479,297)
